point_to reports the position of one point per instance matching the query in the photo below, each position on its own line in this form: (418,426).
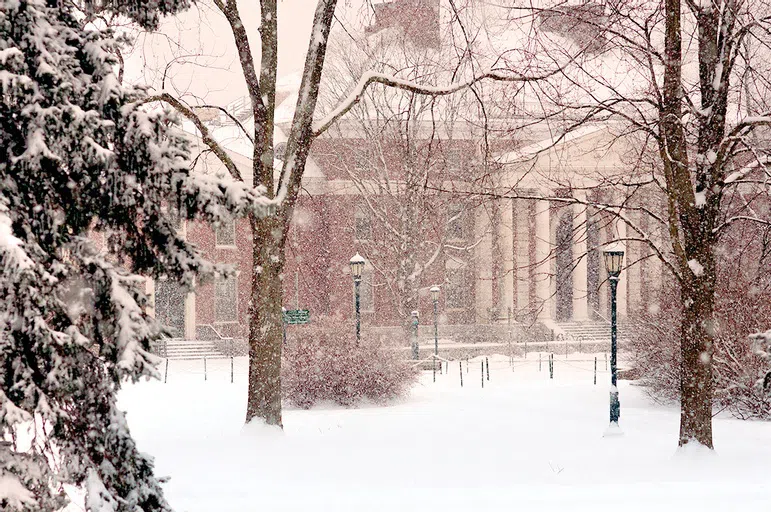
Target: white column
(150,291)
(484,280)
(581,271)
(190,319)
(623,282)
(506,234)
(543,260)
(522,241)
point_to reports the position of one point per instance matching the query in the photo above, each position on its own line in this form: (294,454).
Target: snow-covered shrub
(761,346)
(323,363)
(742,308)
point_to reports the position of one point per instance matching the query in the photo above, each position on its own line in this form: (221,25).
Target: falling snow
(393,281)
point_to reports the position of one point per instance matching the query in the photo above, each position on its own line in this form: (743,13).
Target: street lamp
(357,266)
(614,258)
(435,299)
(415,346)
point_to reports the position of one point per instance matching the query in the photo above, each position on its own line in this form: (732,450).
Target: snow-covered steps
(589,332)
(173,348)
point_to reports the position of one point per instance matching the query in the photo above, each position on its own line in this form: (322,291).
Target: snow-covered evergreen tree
(82,154)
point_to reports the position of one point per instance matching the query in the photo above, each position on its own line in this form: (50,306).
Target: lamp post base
(613,430)
(615,405)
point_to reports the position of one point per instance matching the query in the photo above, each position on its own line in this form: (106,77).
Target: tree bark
(266,322)
(269,234)
(696,346)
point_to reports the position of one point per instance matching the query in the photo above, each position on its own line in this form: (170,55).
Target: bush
(742,308)
(323,363)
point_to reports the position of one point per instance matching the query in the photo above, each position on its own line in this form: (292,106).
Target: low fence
(479,336)
(467,371)
(546,362)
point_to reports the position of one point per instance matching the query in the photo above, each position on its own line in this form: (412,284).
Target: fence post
(487,365)
(482,363)
(539,361)
(460,367)
(231,369)
(606,361)
(466,364)
(595,370)
(204,369)
(551,366)
(166,373)
(434,365)
(447,367)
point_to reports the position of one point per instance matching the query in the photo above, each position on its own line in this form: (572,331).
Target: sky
(193,54)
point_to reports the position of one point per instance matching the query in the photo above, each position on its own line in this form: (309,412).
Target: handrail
(220,336)
(433,357)
(600,315)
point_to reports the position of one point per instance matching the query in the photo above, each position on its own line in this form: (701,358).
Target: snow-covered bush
(323,363)
(761,346)
(82,156)
(742,309)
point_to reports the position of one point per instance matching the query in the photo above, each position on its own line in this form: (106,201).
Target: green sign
(297,316)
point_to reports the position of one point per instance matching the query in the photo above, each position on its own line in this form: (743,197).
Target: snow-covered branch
(371,77)
(202,128)
(747,218)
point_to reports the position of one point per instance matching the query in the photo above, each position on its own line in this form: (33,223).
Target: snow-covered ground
(523,443)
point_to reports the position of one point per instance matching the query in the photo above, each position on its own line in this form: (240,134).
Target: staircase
(178,348)
(590,332)
(240,108)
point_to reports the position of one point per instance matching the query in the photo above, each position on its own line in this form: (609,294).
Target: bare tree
(270,233)
(672,81)
(398,146)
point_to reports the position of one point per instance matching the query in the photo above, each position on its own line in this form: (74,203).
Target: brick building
(531,262)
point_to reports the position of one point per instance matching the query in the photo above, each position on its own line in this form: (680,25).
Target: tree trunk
(265,321)
(696,346)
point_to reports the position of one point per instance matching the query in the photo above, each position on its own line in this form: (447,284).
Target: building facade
(506,224)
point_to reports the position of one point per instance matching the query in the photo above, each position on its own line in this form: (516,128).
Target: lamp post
(415,346)
(357,266)
(435,299)
(614,258)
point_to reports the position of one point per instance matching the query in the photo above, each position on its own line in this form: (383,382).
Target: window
(362,224)
(584,24)
(279,152)
(226,300)
(456,289)
(225,233)
(363,159)
(454,159)
(456,222)
(174,217)
(176,220)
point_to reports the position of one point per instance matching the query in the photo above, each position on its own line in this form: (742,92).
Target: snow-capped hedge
(322,363)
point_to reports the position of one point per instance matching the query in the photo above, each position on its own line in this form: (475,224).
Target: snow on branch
(747,218)
(205,134)
(14,493)
(13,257)
(749,122)
(218,199)
(371,77)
